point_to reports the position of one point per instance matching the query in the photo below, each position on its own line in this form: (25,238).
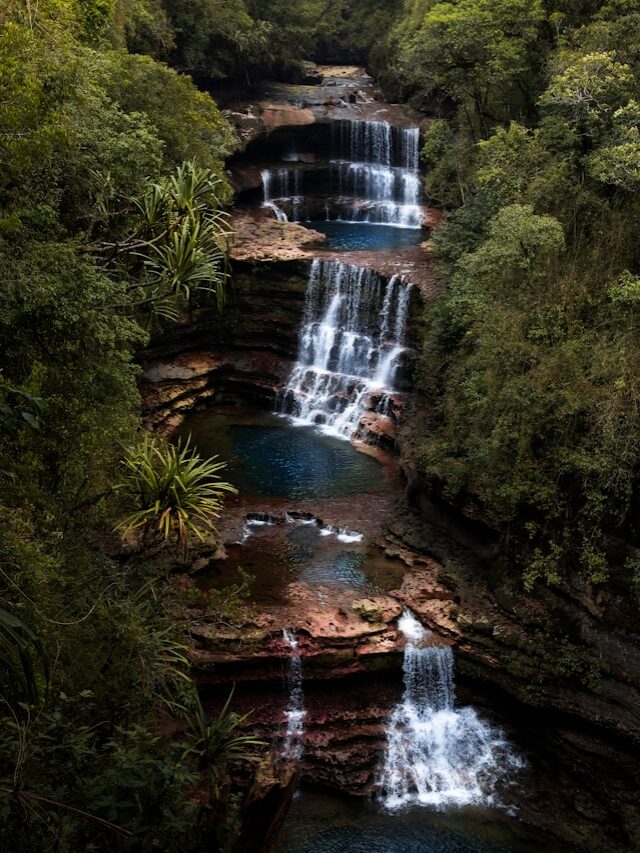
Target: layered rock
(242,357)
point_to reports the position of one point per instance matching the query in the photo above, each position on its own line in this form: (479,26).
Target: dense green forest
(112,226)
(531,362)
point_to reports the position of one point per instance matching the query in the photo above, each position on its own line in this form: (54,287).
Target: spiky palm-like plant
(20,648)
(218,743)
(194,188)
(177,493)
(191,259)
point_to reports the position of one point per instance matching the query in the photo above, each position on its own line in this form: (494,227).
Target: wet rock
(246,177)
(257,236)
(335,639)
(430,601)
(283,115)
(265,806)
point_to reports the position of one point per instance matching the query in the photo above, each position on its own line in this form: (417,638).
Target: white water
(377,181)
(282,186)
(436,755)
(342,534)
(351,346)
(295,713)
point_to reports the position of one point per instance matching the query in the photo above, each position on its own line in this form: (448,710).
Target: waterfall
(377,181)
(282,185)
(351,344)
(295,713)
(436,755)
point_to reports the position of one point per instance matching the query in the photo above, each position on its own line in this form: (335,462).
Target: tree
(478,52)
(588,91)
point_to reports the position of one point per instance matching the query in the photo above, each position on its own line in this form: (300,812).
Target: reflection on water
(320,823)
(332,566)
(268,457)
(279,554)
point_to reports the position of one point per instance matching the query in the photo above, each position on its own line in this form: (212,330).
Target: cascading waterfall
(436,755)
(295,713)
(351,345)
(282,186)
(377,180)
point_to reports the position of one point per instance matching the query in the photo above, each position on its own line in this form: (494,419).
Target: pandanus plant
(178,246)
(176,492)
(194,189)
(218,743)
(189,260)
(191,192)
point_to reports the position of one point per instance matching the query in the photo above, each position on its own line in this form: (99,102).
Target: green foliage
(111,192)
(172,245)
(176,492)
(530,358)
(588,91)
(218,743)
(186,121)
(443,160)
(125,776)
(17,409)
(19,649)
(478,52)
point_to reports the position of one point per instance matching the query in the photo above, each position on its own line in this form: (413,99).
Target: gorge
(331,348)
(319,426)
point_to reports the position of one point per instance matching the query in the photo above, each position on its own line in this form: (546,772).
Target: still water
(268,457)
(322,823)
(363,236)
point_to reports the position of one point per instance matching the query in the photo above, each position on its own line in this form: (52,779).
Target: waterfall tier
(377,178)
(436,755)
(282,185)
(295,713)
(373,178)
(351,346)
(379,142)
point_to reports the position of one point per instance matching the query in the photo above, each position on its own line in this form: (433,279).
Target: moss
(545,660)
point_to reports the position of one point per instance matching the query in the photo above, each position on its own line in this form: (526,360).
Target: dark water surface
(321,823)
(275,556)
(363,236)
(268,457)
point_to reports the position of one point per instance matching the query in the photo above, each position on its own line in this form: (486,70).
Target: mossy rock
(367,610)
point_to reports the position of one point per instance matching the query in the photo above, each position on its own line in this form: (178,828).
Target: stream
(349,686)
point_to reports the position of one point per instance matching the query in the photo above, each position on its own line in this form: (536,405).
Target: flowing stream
(295,713)
(435,763)
(438,755)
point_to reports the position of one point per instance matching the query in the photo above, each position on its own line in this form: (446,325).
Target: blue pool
(268,457)
(363,236)
(322,823)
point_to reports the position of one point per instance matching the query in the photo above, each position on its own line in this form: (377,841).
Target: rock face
(561,649)
(562,660)
(338,635)
(242,358)
(351,654)
(257,236)
(351,659)
(325,94)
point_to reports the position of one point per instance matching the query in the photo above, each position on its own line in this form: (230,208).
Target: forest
(115,220)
